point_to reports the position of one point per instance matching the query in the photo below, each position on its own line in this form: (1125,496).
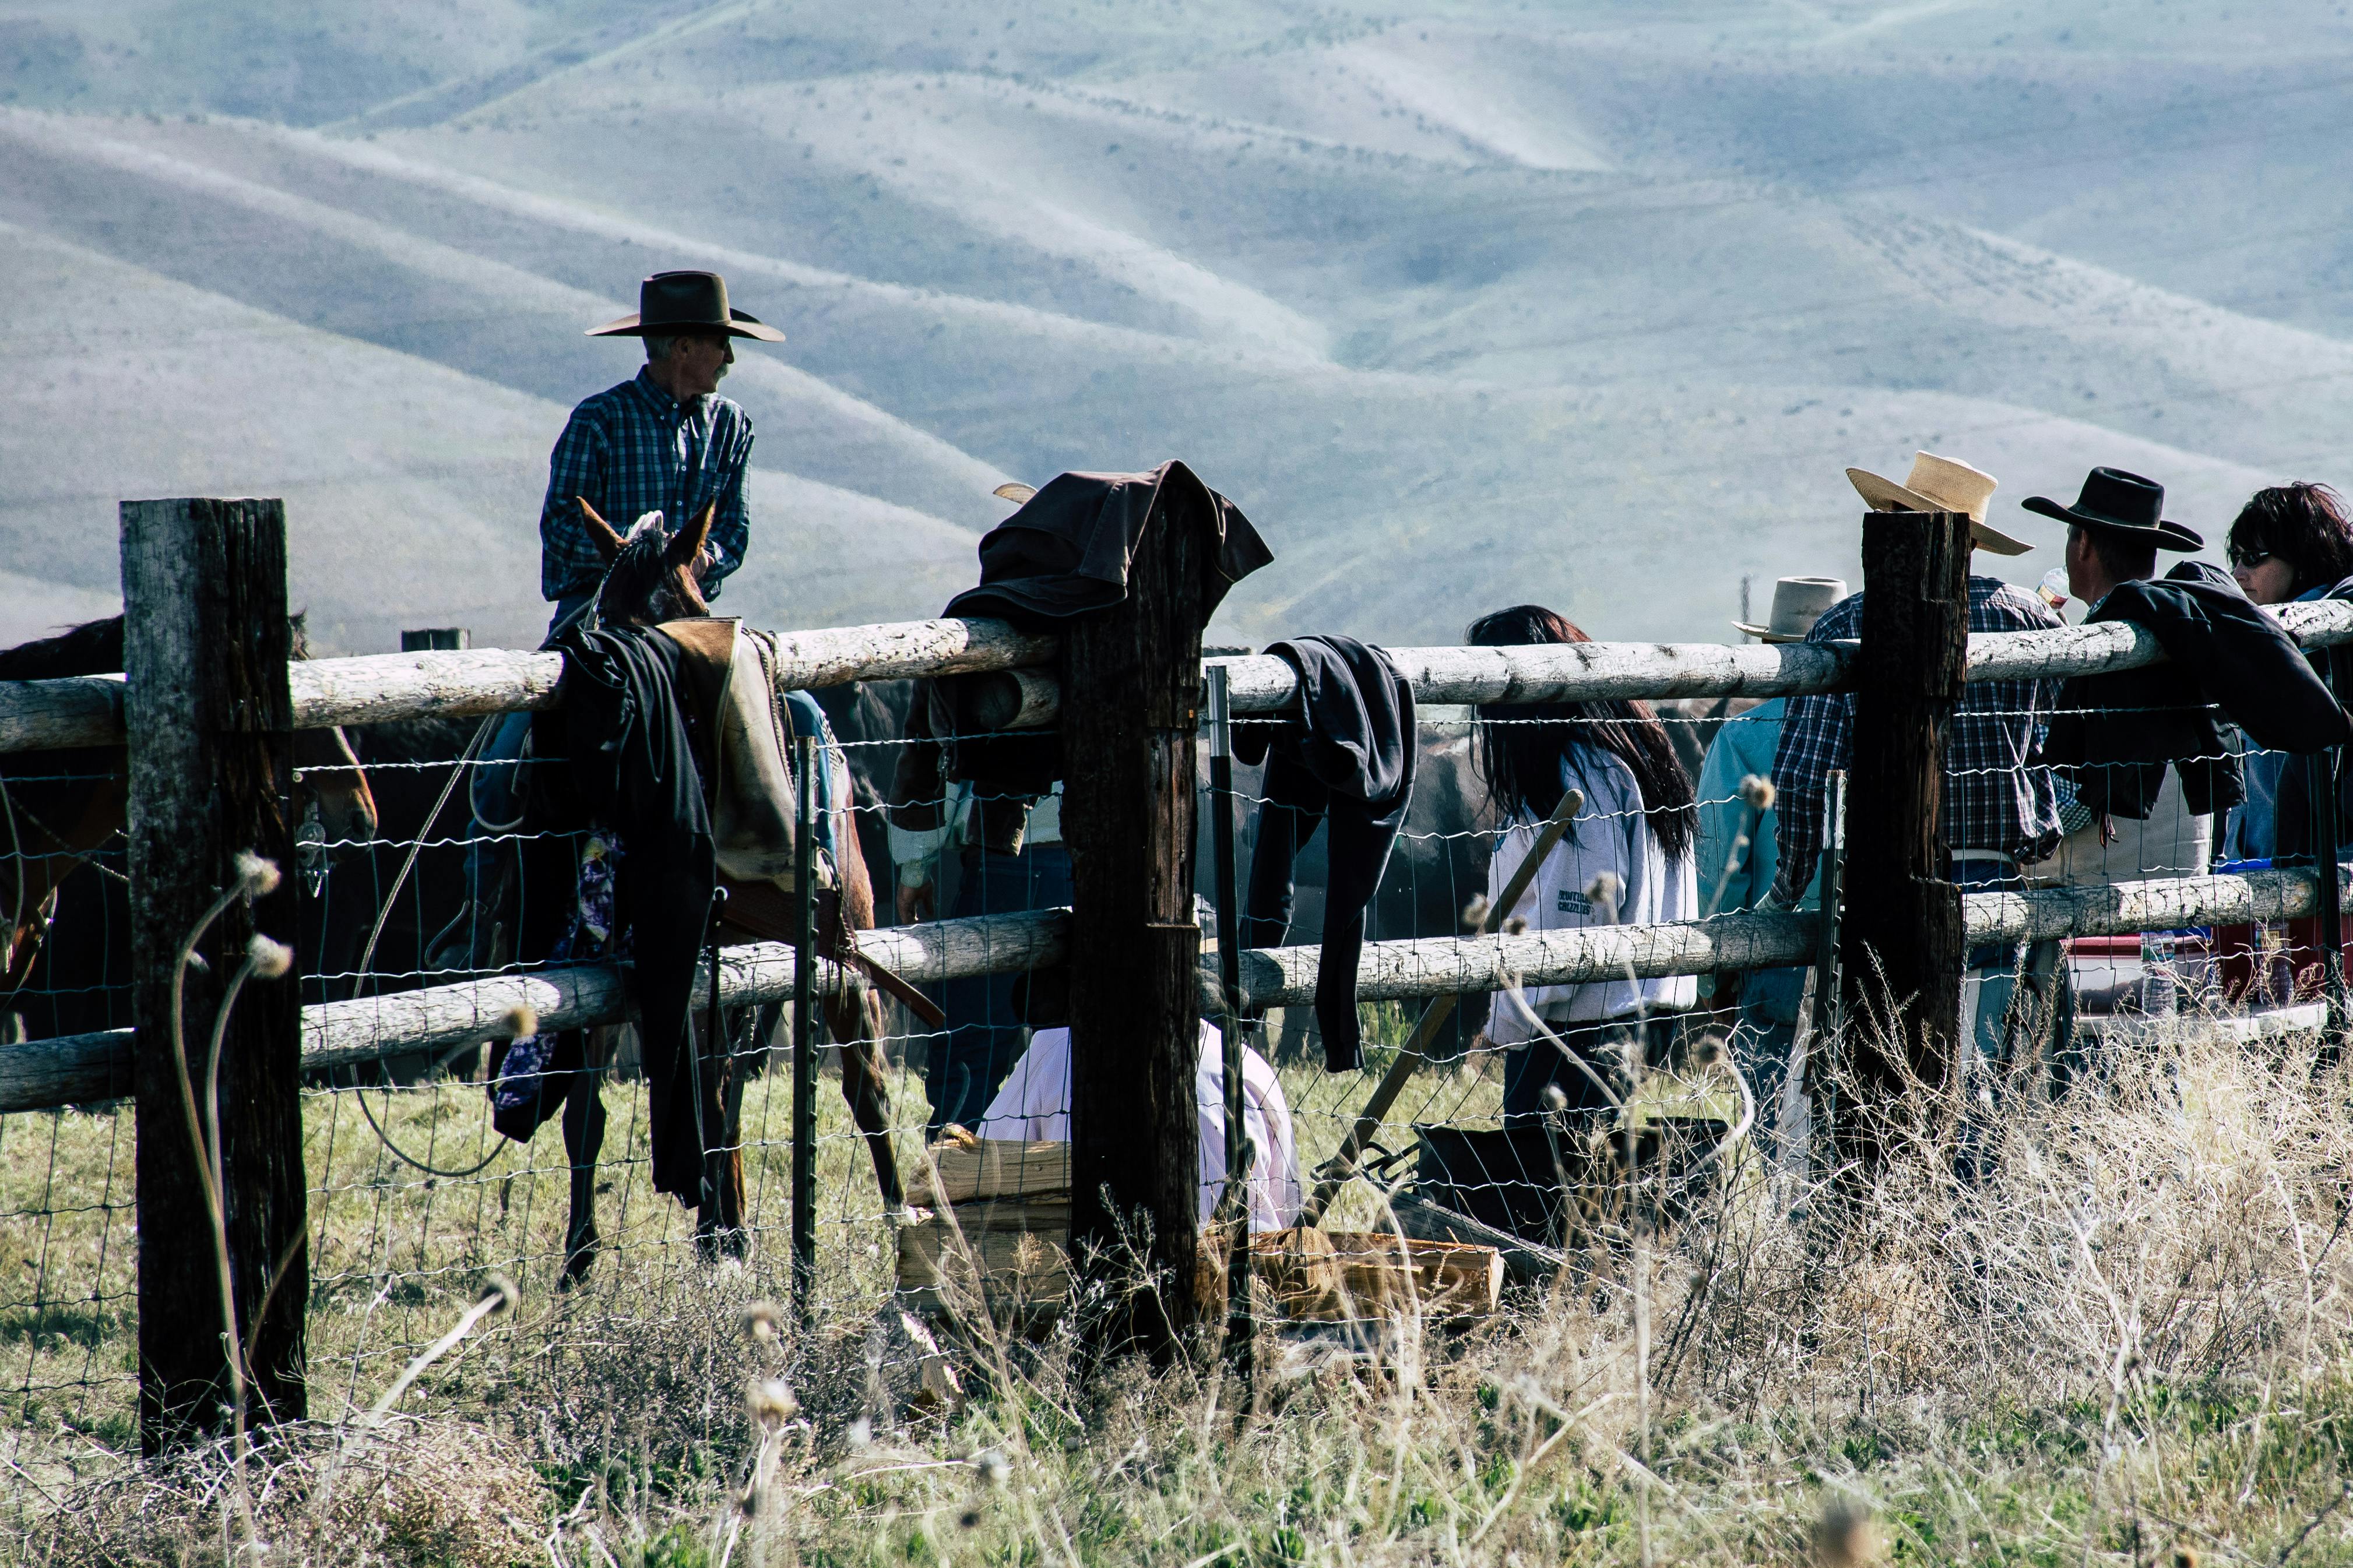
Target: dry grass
(2131,1334)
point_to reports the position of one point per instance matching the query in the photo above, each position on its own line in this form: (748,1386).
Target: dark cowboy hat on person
(2121,504)
(676,303)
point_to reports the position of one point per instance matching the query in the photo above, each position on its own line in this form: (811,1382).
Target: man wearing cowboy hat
(1738,847)
(1999,813)
(2115,530)
(661,441)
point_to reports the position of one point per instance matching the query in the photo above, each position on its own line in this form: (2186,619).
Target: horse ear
(686,543)
(600,532)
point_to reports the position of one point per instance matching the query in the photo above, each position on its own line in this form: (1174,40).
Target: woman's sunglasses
(2248,559)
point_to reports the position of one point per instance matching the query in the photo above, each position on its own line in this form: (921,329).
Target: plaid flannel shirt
(631,449)
(1996,796)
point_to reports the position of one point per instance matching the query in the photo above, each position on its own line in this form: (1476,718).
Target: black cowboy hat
(670,303)
(2121,504)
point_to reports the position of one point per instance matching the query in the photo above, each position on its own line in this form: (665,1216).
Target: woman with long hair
(2289,542)
(1626,859)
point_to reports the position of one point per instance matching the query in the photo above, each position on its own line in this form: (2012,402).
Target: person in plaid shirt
(2001,809)
(662,441)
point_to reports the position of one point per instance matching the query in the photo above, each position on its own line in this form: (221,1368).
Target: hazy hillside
(1464,304)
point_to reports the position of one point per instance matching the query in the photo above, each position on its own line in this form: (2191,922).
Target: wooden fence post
(1901,946)
(1131,680)
(209,725)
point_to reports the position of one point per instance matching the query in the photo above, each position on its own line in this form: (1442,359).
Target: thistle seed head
(521,1022)
(257,877)
(1556,1098)
(1516,926)
(1845,1537)
(771,1401)
(500,1285)
(1606,889)
(271,960)
(760,1322)
(992,1467)
(1474,913)
(1757,792)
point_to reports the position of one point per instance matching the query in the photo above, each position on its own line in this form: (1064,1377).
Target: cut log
(990,1168)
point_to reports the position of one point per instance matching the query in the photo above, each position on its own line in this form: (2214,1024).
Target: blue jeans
(1992,966)
(1766,1034)
(983,1037)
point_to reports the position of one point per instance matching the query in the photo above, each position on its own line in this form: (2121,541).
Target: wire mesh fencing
(416,1192)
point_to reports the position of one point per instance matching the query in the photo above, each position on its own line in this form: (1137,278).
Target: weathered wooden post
(1131,680)
(1901,946)
(210,730)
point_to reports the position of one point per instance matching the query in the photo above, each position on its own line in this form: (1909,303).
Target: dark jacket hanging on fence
(2116,734)
(632,764)
(1066,550)
(1349,763)
(1065,553)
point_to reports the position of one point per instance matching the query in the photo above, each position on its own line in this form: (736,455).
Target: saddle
(742,741)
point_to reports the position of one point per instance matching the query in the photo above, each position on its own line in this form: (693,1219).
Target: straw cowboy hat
(2121,504)
(1940,484)
(1797,603)
(673,303)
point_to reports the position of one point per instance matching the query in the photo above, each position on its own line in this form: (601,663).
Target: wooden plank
(1131,686)
(1900,932)
(55,715)
(75,1070)
(990,1168)
(211,742)
(37,715)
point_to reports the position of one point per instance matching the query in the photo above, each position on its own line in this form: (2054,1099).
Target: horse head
(652,575)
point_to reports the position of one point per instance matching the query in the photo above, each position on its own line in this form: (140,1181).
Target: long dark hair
(1520,744)
(2304,525)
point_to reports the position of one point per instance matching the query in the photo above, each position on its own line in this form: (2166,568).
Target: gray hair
(657,347)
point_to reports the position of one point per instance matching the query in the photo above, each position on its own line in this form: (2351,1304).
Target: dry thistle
(1706,1051)
(1844,1537)
(1757,792)
(1474,913)
(760,1322)
(270,960)
(772,1402)
(2184,1556)
(520,1023)
(1556,1099)
(501,1294)
(992,1467)
(1517,925)
(257,876)
(1606,889)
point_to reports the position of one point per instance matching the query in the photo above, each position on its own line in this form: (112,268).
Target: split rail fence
(210,702)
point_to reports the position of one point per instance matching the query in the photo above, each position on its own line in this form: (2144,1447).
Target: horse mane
(94,647)
(640,583)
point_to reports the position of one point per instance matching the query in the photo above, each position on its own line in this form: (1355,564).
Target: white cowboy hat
(1940,484)
(1797,603)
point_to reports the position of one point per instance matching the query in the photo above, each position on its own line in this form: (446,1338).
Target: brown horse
(58,809)
(652,580)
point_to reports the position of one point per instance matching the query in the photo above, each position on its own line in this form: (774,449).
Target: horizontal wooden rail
(37,715)
(81,1069)
(76,1069)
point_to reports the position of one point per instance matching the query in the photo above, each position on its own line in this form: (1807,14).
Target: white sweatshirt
(1610,834)
(1034,1106)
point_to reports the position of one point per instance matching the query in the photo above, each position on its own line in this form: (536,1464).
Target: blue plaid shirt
(632,450)
(1996,797)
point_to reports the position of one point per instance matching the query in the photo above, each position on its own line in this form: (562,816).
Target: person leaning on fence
(1007,848)
(663,441)
(1739,850)
(2290,545)
(1626,859)
(1999,811)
